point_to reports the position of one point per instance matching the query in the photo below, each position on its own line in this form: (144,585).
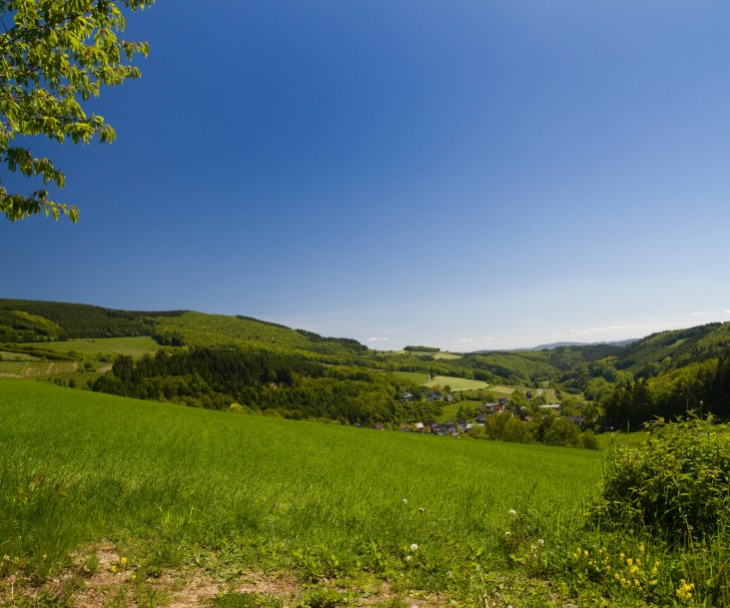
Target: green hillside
(109,501)
(214,331)
(168,486)
(604,384)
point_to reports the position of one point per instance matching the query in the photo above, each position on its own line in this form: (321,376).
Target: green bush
(676,485)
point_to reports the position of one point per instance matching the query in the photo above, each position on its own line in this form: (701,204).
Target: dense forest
(259,381)
(35,321)
(701,387)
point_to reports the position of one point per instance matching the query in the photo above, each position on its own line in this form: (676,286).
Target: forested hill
(39,321)
(30,321)
(657,375)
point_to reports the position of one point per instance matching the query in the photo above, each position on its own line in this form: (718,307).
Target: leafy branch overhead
(57,54)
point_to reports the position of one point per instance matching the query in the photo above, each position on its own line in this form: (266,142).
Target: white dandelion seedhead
(540,541)
(405,501)
(408,558)
(513,513)
(507,533)
(414,547)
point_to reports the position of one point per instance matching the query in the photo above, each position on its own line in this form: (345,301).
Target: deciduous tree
(56,55)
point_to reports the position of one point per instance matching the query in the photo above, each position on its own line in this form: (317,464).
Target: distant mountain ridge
(553,345)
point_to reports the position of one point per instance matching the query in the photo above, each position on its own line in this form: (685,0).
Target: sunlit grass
(135,346)
(78,467)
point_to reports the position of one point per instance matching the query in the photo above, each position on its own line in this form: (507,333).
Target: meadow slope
(171,483)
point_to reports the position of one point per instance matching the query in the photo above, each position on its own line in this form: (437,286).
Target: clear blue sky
(465,174)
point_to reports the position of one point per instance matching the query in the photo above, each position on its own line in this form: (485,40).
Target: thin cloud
(377,339)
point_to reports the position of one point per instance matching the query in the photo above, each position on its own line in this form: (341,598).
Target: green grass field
(634,439)
(168,482)
(94,347)
(12,367)
(139,499)
(417,377)
(11,356)
(450,410)
(446,356)
(456,384)
(501,391)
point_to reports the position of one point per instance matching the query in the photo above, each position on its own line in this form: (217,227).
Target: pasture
(416,377)
(96,348)
(446,356)
(501,391)
(456,384)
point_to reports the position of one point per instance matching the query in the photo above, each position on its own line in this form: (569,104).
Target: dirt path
(113,581)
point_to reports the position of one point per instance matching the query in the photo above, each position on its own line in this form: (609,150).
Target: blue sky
(463,174)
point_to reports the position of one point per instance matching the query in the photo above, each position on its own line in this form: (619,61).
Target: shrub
(677,484)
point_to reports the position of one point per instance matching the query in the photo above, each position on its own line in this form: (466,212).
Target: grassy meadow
(353,516)
(170,484)
(132,346)
(456,384)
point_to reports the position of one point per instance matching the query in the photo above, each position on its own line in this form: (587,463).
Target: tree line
(700,386)
(266,382)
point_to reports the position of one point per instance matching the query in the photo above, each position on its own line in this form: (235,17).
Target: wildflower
(513,513)
(630,562)
(123,562)
(540,541)
(585,554)
(134,577)
(685,590)
(507,533)
(414,547)
(408,558)
(421,510)
(642,549)
(405,501)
